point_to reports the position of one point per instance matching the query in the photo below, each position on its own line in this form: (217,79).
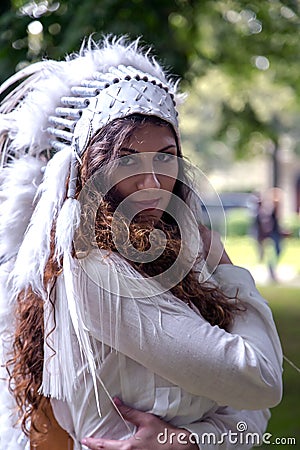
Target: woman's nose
(148,181)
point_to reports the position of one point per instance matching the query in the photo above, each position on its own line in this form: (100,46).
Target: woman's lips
(146,204)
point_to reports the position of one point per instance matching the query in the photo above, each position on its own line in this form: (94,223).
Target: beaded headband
(120,93)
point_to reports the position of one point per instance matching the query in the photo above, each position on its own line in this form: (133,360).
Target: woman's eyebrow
(132,150)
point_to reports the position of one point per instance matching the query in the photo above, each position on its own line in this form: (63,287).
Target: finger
(132,415)
(99,443)
(93,444)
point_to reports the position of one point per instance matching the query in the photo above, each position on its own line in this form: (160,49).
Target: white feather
(8,123)
(19,184)
(35,249)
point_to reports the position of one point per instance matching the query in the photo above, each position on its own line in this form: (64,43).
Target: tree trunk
(275,166)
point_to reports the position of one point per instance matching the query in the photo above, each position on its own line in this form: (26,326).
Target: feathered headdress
(53,113)
(46,123)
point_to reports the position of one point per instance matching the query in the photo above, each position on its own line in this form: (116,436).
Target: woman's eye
(164,157)
(126,161)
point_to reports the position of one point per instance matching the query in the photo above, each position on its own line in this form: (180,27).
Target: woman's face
(147,171)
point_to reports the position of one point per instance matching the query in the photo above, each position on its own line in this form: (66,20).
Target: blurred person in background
(267,229)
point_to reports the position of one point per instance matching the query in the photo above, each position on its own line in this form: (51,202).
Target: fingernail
(117,401)
(84,441)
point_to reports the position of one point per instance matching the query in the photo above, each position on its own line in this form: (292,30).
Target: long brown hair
(26,364)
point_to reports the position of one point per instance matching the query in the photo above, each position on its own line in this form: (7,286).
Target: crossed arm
(219,430)
(241,369)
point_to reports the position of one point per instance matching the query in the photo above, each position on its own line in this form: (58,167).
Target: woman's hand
(152,434)
(214,251)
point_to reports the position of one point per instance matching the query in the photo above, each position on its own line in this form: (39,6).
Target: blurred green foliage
(238,222)
(167,25)
(292,225)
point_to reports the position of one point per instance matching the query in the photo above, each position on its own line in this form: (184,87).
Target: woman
(110,279)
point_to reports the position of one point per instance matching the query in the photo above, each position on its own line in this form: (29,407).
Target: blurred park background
(239,62)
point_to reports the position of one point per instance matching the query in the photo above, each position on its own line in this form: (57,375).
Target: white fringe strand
(68,221)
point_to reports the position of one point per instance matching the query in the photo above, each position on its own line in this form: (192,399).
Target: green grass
(243,252)
(285,304)
(284,301)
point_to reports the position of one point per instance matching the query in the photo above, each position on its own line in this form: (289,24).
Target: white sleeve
(228,429)
(241,369)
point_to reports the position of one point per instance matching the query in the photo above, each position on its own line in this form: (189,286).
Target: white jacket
(160,356)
